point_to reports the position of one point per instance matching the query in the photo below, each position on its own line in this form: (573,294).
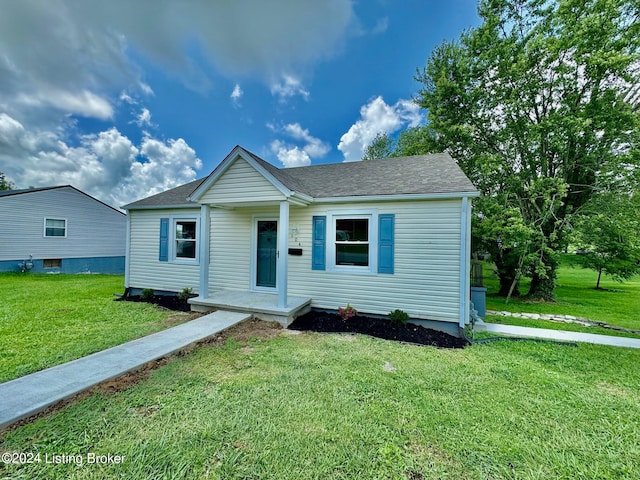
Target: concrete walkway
(559,335)
(31,394)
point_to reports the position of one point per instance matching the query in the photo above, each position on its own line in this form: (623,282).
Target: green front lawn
(46,320)
(617,303)
(328,406)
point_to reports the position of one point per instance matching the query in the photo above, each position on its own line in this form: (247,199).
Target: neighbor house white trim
(57,219)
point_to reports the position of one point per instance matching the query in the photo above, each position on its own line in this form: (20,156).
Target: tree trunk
(598,282)
(506,280)
(543,286)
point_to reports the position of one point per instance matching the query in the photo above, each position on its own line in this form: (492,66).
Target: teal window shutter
(318,261)
(164,240)
(386,226)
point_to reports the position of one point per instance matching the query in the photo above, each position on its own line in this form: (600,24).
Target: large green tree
(380,147)
(5,183)
(608,235)
(538,106)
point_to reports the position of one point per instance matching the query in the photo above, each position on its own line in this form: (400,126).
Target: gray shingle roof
(176,197)
(420,174)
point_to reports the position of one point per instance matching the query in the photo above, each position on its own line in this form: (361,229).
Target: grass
(616,303)
(46,320)
(322,406)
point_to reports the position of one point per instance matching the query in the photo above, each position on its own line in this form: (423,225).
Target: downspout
(465,263)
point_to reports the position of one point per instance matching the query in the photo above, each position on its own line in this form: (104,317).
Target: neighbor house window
(185,240)
(52,263)
(55,227)
(351,241)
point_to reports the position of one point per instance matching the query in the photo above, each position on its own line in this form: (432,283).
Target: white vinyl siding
(145,269)
(92,229)
(241,183)
(426,276)
(426,279)
(231,240)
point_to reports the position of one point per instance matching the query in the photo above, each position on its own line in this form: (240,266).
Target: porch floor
(261,305)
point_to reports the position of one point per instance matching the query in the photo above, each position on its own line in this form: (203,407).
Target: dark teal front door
(267,253)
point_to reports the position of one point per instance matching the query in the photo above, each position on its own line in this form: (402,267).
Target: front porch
(262,305)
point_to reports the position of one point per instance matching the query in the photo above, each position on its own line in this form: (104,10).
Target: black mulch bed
(376,327)
(170,302)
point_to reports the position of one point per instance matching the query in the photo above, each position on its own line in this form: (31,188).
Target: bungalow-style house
(60,230)
(379,235)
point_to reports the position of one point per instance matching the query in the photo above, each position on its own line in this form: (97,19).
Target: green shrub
(185,294)
(399,317)
(147,294)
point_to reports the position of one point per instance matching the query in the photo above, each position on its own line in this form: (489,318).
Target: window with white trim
(351,241)
(185,239)
(55,227)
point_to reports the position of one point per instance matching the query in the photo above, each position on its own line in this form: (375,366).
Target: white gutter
(397,197)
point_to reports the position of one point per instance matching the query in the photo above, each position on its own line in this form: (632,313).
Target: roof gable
(239,154)
(27,191)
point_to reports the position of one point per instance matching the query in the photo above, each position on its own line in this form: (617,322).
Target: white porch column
(283,254)
(204,251)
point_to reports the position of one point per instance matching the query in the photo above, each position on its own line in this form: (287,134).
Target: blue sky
(125,99)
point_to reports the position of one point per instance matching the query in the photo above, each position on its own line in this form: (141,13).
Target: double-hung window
(351,241)
(185,239)
(55,227)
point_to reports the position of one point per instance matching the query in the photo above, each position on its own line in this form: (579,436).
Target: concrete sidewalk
(559,335)
(31,394)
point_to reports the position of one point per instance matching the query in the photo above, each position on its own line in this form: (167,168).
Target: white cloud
(82,103)
(236,94)
(290,156)
(64,58)
(295,155)
(287,87)
(68,47)
(144,118)
(376,116)
(106,165)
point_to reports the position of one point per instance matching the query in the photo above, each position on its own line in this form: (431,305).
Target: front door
(266,255)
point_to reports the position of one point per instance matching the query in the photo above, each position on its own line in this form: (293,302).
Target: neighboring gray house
(379,235)
(60,229)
